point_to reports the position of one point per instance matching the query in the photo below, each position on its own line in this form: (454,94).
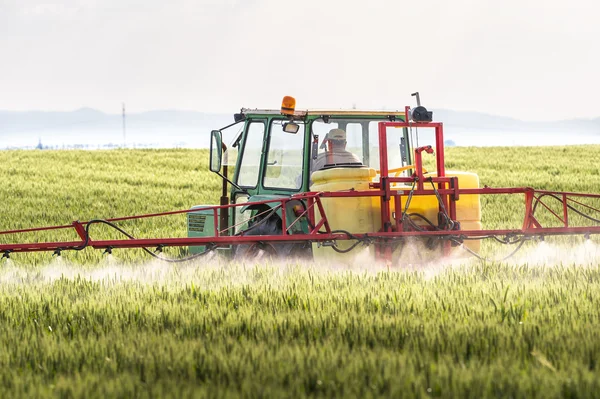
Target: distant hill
(477,120)
(87,127)
(479,129)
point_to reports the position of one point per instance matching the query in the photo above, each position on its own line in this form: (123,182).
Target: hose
(449,221)
(507,241)
(365,241)
(567,205)
(120,230)
(469,250)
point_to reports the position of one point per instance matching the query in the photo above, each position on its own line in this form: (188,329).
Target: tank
(363,214)
(355,215)
(468,207)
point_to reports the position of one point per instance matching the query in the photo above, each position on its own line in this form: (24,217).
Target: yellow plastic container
(353,214)
(468,207)
(363,214)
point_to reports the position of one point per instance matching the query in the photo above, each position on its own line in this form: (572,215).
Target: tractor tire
(269,251)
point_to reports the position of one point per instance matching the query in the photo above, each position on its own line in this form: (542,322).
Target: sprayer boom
(329,212)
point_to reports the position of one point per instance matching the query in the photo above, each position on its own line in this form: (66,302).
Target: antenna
(416,94)
(124,128)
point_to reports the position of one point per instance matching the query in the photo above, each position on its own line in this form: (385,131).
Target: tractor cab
(275,152)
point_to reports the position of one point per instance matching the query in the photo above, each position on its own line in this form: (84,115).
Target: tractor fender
(289,206)
(258,198)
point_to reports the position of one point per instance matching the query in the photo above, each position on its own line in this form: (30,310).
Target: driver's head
(337,138)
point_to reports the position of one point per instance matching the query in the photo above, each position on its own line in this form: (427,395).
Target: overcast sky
(530,59)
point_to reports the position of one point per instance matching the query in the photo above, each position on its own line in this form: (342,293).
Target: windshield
(355,142)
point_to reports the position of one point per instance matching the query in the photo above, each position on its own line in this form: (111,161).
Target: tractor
(279,154)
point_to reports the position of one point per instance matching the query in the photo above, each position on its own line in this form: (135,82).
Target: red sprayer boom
(400,203)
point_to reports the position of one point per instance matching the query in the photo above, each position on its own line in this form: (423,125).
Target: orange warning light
(288,105)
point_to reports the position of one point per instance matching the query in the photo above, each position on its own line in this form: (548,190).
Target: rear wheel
(265,251)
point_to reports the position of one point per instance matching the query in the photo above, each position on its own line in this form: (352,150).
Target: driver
(336,152)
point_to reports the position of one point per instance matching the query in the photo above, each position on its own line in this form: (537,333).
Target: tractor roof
(319,112)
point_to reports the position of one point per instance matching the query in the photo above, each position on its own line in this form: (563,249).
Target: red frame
(447,188)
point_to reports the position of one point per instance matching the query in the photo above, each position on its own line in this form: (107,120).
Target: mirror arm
(224,193)
(224,176)
(238,137)
(232,183)
(224,214)
(231,124)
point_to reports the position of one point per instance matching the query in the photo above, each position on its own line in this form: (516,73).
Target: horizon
(90,128)
(231,112)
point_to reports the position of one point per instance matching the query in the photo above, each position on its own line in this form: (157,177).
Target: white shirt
(336,157)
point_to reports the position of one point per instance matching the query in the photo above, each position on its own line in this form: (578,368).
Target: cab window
(285,157)
(250,163)
(362,140)
(350,132)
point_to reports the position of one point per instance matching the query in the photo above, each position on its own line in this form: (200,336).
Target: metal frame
(387,188)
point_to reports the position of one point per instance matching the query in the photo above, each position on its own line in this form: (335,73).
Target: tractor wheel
(265,251)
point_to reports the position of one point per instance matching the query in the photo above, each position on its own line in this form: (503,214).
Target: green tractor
(273,156)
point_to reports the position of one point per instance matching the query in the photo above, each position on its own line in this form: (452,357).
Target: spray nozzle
(6,254)
(57,252)
(108,251)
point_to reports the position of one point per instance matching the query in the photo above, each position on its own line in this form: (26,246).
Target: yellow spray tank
(468,207)
(352,214)
(363,214)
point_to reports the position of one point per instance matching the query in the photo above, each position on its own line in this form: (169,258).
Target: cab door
(247,169)
(250,156)
(285,157)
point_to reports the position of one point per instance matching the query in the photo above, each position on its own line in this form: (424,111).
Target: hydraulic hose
(567,205)
(521,242)
(120,230)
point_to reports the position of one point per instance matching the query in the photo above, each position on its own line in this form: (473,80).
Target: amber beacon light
(288,105)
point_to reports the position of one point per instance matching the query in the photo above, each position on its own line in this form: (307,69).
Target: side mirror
(216,151)
(291,127)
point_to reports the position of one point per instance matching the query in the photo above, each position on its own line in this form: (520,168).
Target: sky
(528,59)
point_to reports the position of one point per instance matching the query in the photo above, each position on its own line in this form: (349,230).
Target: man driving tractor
(335,152)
